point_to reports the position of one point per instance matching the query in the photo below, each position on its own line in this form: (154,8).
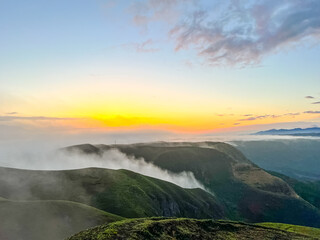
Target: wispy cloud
(11,113)
(292,114)
(259,117)
(234,32)
(312,112)
(149,11)
(143,47)
(309,97)
(316,103)
(33,118)
(146,46)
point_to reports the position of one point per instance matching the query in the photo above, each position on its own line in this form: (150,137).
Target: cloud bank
(233,32)
(36,159)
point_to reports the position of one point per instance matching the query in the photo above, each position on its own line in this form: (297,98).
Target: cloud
(309,97)
(143,47)
(312,112)
(149,11)
(316,103)
(36,158)
(11,113)
(292,114)
(34,118)
(273,116)
(234,32)
(267,116)
(259,117)
(252,118)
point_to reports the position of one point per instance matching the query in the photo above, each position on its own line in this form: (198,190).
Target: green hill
(120,192)
(245,191)
(162,228)
(51,220)
(308,190)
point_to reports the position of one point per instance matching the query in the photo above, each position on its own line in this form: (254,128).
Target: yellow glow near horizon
(174,123)
(116,106)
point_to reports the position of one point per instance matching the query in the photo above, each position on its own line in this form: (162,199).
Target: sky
(182,66)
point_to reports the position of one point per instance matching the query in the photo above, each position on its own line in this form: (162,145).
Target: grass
(250,194)
(308,190)
(120,192)
(182,229)
(313,232)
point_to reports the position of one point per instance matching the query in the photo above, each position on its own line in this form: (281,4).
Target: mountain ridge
(175,228)
(314,131)
(245,191)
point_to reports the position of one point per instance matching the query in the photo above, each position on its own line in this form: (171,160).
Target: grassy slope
(161,228)
(308,190)
(120,192)
(313,232)
(51,220)
(214,167)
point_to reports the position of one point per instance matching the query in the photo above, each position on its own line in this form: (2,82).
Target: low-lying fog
(41,153)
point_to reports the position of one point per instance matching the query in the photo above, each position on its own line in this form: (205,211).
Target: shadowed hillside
(51,220)
(297,158)
(120,192)
(308,190)
(180,229)
(246,192)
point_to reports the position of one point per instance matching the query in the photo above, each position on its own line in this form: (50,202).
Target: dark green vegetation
(49,220)
(120,192)
(162,228)
(297,158)
(55,204)
(308,190)
(243,190)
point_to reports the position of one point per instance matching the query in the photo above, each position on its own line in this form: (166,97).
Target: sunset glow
(131,66)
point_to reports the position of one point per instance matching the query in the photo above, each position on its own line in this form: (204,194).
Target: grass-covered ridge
(181,228)
(120,192)
(245,191)
(308,190)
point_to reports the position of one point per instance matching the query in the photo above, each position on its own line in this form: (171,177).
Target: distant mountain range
(314,131)
(298,158)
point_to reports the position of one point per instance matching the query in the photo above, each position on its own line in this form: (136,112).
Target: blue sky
(166,63)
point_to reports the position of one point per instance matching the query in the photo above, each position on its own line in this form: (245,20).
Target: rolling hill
(180,229)
(120,192)
(51,220)
(245,191)
(308,190)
